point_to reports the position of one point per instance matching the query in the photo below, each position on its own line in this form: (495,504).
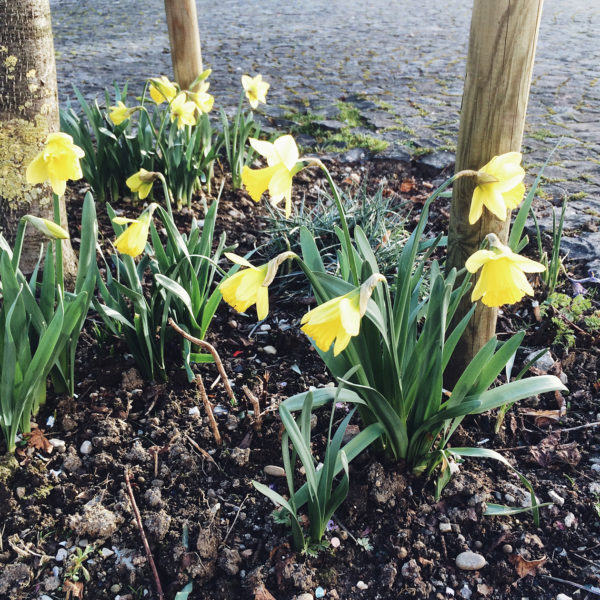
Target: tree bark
(184,38)
(28,113)
(499,64)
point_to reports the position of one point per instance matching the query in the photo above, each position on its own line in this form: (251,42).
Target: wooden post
(184,38)
(499,64)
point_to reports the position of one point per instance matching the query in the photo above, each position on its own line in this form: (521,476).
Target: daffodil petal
(478,259)
(257,181)
(287,150)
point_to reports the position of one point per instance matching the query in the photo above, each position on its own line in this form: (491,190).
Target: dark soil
(206,524)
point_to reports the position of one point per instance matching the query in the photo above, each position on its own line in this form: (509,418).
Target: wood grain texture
(184,37)
(500,60)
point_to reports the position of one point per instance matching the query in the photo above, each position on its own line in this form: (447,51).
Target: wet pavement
(401,64)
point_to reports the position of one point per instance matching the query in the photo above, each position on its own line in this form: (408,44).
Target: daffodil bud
(48,228)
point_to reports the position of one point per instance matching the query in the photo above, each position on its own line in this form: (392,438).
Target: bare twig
(214,353)
(585,426)
(237,514)
(255,406)
(576,585)
(208,409)
(202,451)
(138,518)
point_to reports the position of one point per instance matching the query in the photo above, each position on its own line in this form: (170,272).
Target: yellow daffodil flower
(119,113)
(161,89)
(141,182)
(183,110)
(57,162)
(499,188)
(250,286)
(502,279)
(256,89)
(48,228)
(339,318)
(133,240)
(203,101)
(283,163)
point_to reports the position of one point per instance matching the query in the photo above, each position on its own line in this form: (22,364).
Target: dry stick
(208,409)
(577,585)
(212,350)
(585,426)
(237,514)
(255,406)
(138,518)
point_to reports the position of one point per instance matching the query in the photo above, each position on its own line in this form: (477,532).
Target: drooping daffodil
(256,89)
(502,279)
(56,163)
(339,319)
(251,285)
(119,113)
(183,110)
(161,89)
(283,163)
(499,188)
(201,98)
(133,240)
(48,228)
(141,182)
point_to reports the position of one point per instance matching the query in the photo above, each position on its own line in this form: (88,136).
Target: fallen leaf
(526,567)
(73,587)
(484,589)
(262,593)
(38,440)
(544,417)
(549,451)
(408,185)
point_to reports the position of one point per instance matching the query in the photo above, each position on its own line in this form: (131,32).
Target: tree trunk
(28,113)
(184,38)
(499,64)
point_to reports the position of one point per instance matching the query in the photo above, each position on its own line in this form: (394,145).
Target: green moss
(578,196)
(350,114)
(357,140)
(542,135)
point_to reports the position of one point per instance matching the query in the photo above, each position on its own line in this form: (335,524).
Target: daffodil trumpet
(132,241)
(502,279)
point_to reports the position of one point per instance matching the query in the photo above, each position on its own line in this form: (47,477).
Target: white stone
(61,555)
(563,597)
(305,596)
(361,585)
(556,498)
(270,350)
(105,552)
(274,471)
(86,447)
(570,520)
(470,561)
(194,411)
(58,444)
(445,527)
(335,542)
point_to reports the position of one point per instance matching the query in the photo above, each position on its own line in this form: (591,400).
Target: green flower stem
(18,247)
(167,193)
(343,221)
(58,255)
(157,134)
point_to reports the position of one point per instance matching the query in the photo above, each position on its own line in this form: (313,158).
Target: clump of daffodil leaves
(388,346)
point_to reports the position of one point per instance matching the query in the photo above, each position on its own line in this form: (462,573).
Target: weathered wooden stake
(499,64)
(184,38)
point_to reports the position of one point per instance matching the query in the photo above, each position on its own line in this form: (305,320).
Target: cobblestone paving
(402,66)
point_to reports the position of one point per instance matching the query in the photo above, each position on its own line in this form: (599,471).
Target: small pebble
(466,592)
(335,542)
(402,553)
(61,555)
(115,588)
(478,544)
(50,421)
(232,323)
(274,471)
(319,592)
(105,552)
(470,561)
(194,411)
(445,527)
(20,492)
(361,585)
(556,498)
(270,350)
(507,549)
(563,597)
(265,327)
(569,520)
(58,444)
(305,596)
(86,447)
(449,591)
(220,411)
